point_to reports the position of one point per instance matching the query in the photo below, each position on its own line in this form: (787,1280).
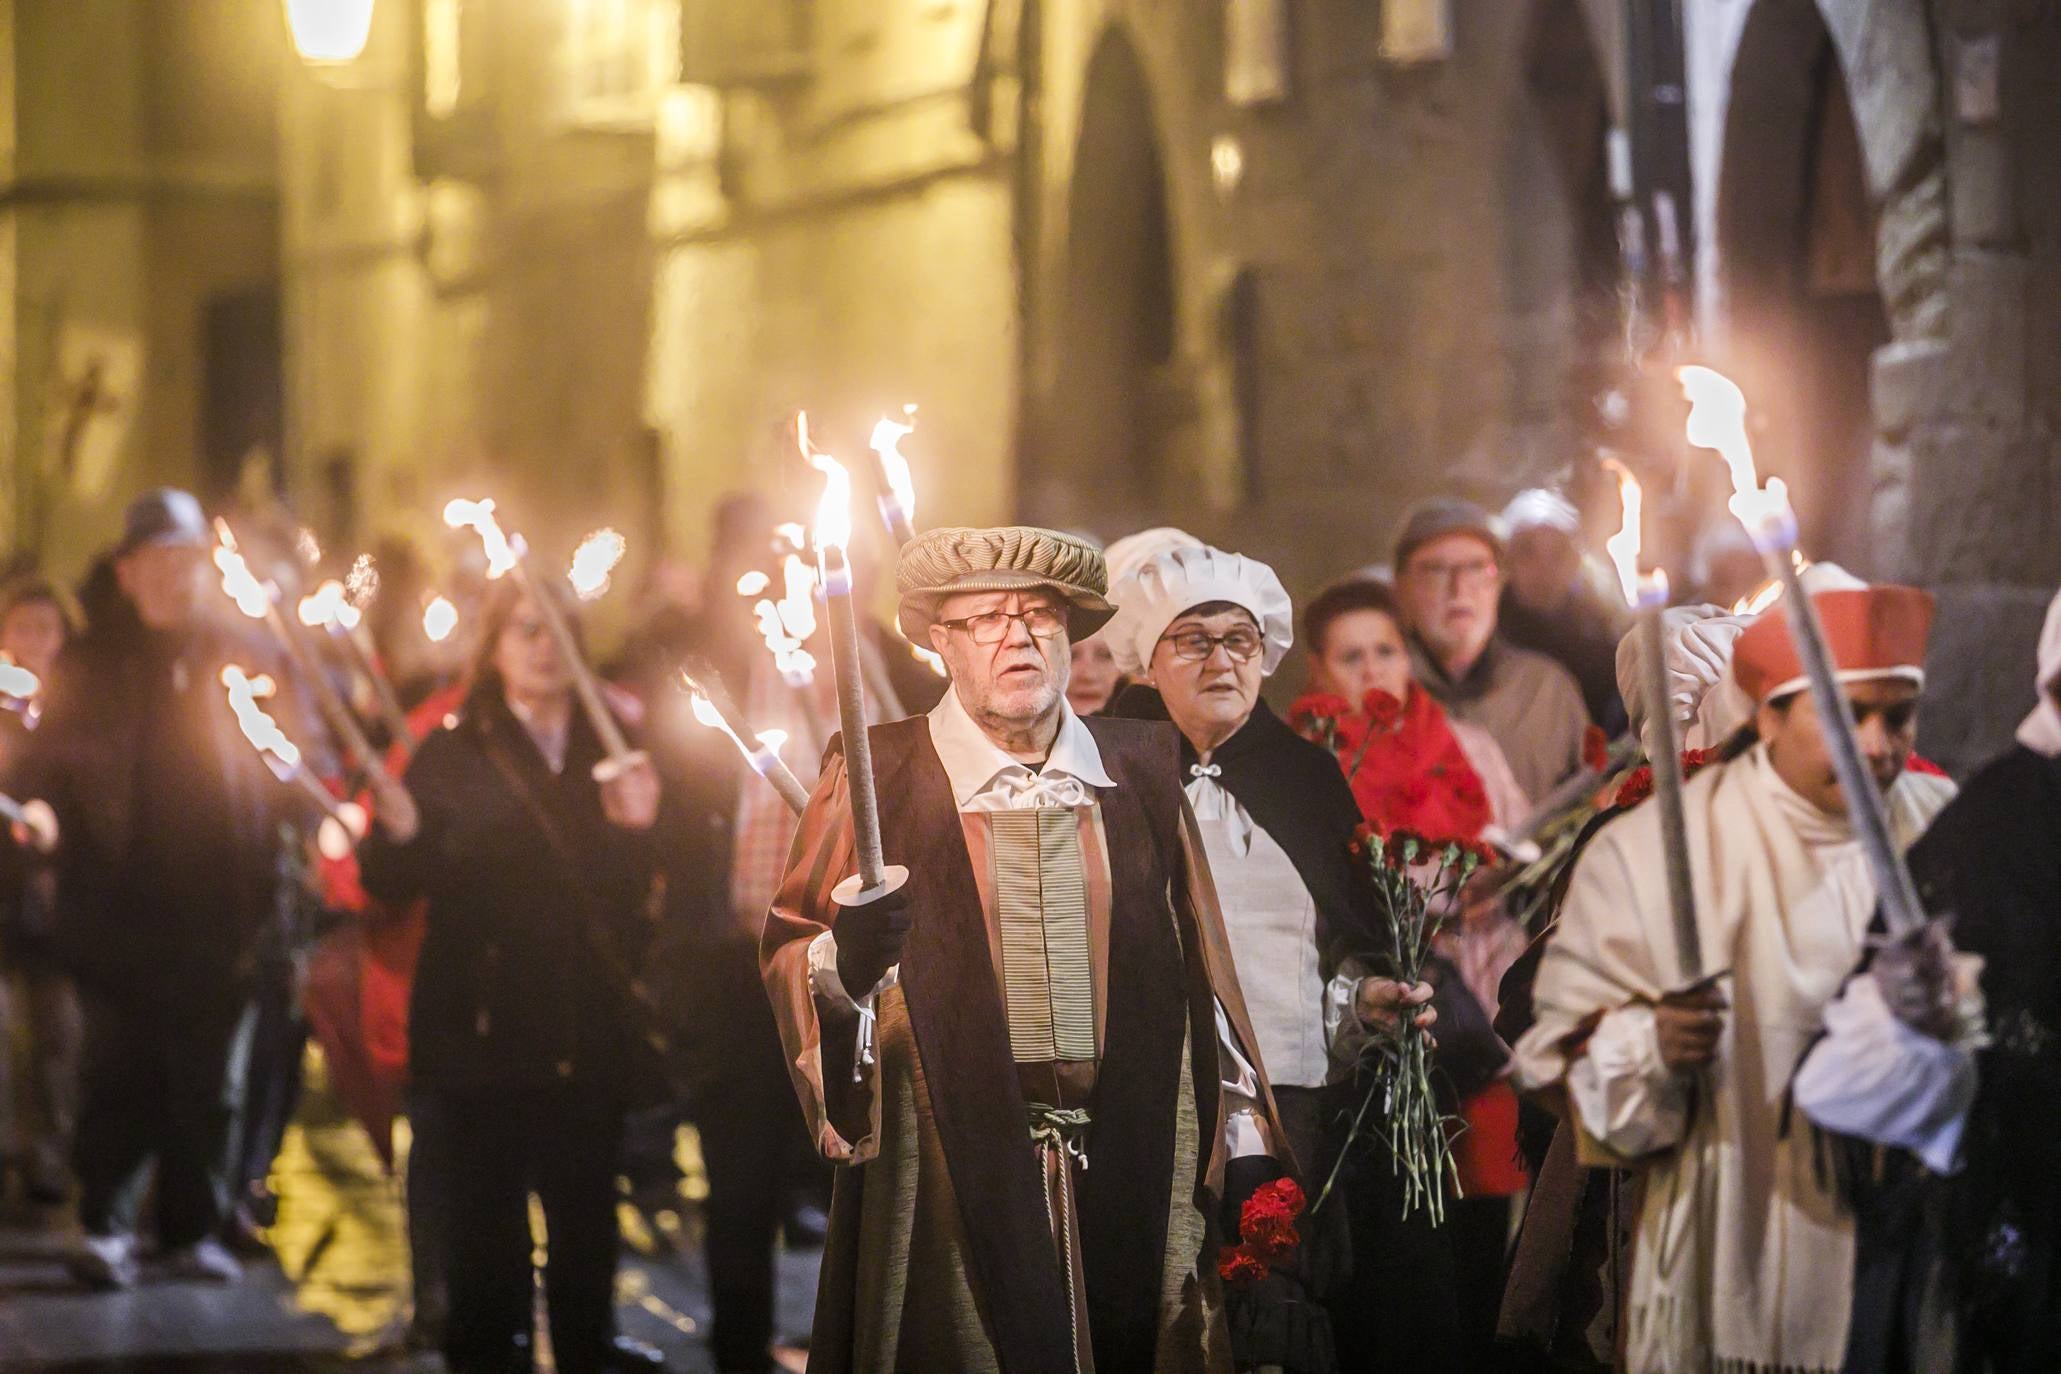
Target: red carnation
(1240,1266)
(1595,749)
(1382,709)
(1318,706)
(1925,767)
(1637,786)
(1695,759)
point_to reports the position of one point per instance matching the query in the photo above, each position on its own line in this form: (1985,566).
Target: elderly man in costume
(1961,1220)
(1744,1252)
(1199,629)
(1065,1067)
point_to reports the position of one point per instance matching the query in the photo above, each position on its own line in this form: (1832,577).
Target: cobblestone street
(334,1294)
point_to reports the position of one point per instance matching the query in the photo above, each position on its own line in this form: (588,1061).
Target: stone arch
(1096,449)
(1796,231)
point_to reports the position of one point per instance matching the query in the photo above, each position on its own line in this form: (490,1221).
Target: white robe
(1744,1258)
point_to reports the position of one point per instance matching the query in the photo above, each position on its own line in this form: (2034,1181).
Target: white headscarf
(1161,587)
(2041,731)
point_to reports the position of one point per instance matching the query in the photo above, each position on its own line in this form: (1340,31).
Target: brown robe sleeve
(817,1033)
(1197,898)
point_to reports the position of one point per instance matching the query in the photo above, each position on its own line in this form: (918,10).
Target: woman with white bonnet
(1198,629)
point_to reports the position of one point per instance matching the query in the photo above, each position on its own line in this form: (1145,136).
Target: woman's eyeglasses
(992,627)
(1197,645)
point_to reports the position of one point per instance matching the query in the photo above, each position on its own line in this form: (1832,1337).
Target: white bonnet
(1126,555)
(1178,579)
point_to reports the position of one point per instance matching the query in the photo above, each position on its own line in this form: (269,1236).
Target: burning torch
(259,601)
(596,558)
(1647,595)
(329,608)
(897,491)
(713,708)
(875,879)
(1717,420)
(343,822)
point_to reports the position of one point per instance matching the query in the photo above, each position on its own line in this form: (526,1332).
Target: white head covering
(2041,731)
(1126,555)
(1179,579)
(1538,508)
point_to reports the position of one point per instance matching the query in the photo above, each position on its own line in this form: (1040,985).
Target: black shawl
(1293,789)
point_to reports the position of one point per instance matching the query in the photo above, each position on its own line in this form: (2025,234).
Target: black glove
(1273,1323)
(869,940)
(1916,975)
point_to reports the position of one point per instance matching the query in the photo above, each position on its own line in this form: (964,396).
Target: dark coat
(1983,1247)
(534,931)
(115,691)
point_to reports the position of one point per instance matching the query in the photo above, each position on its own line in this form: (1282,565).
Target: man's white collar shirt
(985,778)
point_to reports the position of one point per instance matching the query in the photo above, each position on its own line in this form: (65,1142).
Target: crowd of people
(1085,1082)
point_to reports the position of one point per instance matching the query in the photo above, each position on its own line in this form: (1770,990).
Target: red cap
(1872,632)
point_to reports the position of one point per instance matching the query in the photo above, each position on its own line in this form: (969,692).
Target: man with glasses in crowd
(1054,990)
(1448,578)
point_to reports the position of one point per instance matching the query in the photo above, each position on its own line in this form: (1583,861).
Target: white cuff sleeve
(1245,1124)
(823,979)
(1626,1097)
(1874,1077)
(1344,1032)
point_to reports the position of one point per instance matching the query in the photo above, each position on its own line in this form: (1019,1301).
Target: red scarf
(1406,767)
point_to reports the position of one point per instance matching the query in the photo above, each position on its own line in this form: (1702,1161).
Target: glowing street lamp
(329,33)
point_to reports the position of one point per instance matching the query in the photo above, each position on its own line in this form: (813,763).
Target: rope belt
(1060,1128)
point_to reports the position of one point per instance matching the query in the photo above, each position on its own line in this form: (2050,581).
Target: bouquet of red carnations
(1419,882)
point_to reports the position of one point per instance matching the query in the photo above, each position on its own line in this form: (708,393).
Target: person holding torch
(527,1029)
(1744,1250)
(1035,1155)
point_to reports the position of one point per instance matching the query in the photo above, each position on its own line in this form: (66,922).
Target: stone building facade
(1270,269)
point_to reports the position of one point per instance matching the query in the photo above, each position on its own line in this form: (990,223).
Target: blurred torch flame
(439,618)
(362,584)
(774,740)
(1717,420)
(833,527)
(307,546)
(894,468)
(594,560)
(17,681)
(1640,589)
(329,604)
(1756,602)
(479,517)
(259,728)
(752,583)
(238,580)
(932,661)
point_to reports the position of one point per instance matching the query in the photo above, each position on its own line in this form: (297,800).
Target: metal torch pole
(874,879)
(1666,762)
(382,688)
(334,709)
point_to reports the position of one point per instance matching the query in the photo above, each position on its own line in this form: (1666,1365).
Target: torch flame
(894,468)
(1717,420)
(773,740)
(238,580)
(1755,602)
(363,582)
(834,512)
(934,662)
(260,729)
(329,604)
(479,517)
(17,681)
(752,583)
(1623,547)
(439,618)
(594,560)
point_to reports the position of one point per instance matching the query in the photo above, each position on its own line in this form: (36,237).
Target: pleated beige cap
(1012,558)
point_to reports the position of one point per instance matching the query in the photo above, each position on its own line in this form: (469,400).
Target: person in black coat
(525,1028)
(167,863)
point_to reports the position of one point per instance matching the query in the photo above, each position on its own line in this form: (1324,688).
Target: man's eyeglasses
(1474,572)
(1197,645)
(992,627)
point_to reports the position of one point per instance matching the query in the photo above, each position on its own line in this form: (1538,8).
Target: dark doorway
(1104,425)
(242,406)
(1796,241)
